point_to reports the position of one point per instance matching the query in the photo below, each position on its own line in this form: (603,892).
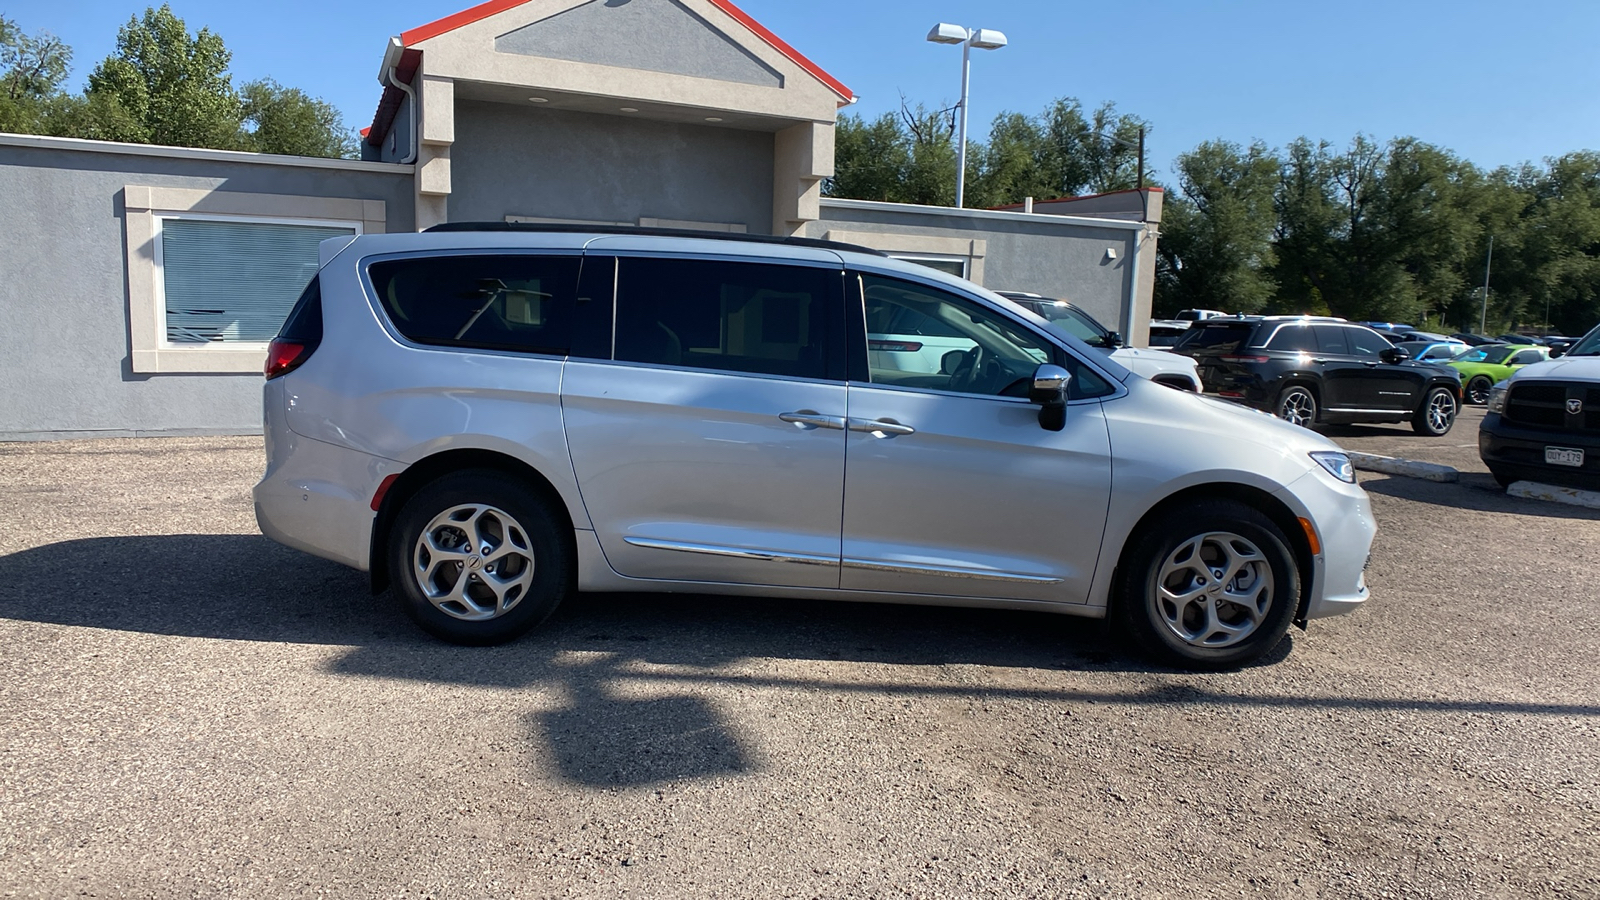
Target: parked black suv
(1316,370)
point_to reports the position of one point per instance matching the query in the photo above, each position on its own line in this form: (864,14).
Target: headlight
(1497,398)
(1337,464)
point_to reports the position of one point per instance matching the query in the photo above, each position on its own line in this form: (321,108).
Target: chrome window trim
(732,373)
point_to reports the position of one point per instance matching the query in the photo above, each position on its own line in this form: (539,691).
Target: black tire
(534,575)
(1478,390)
(1437,413)
(1198,530)
(1297,406)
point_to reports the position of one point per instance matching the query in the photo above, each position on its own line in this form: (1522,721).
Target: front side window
(971,349)
(750,317)
(494,302)
(234,280)
(1366,344)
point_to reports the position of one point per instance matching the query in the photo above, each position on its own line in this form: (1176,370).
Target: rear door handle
(880,427)
(810,418)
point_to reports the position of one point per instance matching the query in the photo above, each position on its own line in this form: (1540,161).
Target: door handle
(808,418)
(1318,360)
(880,427)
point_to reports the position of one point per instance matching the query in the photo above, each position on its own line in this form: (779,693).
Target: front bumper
(1517,452)
(1342,517)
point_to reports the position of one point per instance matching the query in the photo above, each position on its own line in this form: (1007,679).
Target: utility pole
(1483,317)
(1141,157)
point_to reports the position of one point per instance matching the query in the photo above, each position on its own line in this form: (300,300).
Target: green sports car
(1483,367)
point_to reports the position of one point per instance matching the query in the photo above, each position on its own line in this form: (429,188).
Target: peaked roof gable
(495,7)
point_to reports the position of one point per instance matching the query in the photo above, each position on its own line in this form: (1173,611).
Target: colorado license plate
(1561,456)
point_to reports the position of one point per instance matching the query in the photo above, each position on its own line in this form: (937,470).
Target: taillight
(285,356)
(895,346)
(1244,359)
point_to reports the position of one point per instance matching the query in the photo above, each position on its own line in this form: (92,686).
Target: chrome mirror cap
(1050,385)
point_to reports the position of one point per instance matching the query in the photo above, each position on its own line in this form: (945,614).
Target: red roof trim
(458,20)
(494,7)
(795,56)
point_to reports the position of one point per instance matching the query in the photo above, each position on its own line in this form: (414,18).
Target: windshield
(1491,355)
(1589,346)
(1075,322)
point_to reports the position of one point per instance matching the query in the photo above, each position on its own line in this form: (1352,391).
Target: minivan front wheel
(1297,406)
(477,558)
(1209,585)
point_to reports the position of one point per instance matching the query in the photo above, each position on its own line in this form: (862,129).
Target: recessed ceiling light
(539,99)
(713,118)
(629,109)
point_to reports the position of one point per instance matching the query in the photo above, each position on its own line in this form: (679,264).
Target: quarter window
(518,303)
(729,316)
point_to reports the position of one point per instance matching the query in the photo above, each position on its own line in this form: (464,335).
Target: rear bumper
(1517,452)
(317,497)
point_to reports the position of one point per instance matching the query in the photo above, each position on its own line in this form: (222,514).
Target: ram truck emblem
(1574,406)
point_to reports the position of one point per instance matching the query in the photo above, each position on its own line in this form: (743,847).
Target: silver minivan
(490,419)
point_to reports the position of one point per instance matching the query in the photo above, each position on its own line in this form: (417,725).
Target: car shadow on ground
(599,651)
(1475,492)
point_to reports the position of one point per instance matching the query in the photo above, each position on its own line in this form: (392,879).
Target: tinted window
(496,302)
(977,350)
(1330,339)
(1365,343)
(1225,338)
(304,325)
(730,316)
(1294,337)
(1527,357)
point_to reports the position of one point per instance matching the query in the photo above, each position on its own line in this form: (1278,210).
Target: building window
(950,265)
(212,274)
(233,279)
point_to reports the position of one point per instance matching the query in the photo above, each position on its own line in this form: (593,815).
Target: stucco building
(141,284)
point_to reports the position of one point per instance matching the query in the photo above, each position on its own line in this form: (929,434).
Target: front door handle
(810,418)
(880,427)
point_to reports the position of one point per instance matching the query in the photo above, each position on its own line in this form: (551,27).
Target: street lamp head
(944,33)
(988,39)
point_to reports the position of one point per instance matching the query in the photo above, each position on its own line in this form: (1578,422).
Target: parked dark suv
(1316,370)
(1543,422)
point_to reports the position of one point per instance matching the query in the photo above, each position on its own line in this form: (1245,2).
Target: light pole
(1488,259)
(983,39)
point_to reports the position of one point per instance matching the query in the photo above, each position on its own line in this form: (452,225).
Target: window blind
(235,281)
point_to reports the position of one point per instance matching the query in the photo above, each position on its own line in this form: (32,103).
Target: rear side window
(1224,338)
(1330,339)
(1294,337)
(518,303)
(731,316)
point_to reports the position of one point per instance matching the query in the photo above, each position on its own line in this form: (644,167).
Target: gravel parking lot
(192,711)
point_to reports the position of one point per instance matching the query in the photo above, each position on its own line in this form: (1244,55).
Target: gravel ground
(192,711)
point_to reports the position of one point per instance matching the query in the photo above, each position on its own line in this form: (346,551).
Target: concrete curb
(1410,468)
(1533,490)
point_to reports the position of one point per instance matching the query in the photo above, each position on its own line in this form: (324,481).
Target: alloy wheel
(1214,590)
(473,562)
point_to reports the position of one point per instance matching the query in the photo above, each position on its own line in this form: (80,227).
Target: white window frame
(146,208)
(258,348)
(924,258)
(916,247)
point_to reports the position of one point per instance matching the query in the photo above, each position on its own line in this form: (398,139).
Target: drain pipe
(1132,307)
(391,62)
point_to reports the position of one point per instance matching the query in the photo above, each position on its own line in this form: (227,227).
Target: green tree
(177,87)
(1216,247)
(870,158)
(287,120)
(32,68)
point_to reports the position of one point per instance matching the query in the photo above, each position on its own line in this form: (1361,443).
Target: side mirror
(1049,390)
(951,361)
(1112,340)
(1558,352)
(1394,355)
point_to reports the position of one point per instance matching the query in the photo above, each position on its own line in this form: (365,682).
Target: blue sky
(1496,82)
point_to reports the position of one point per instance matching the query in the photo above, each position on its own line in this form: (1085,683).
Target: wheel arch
(1256,498)
(429,469)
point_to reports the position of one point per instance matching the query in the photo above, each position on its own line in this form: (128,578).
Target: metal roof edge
(997,215)
(47,142)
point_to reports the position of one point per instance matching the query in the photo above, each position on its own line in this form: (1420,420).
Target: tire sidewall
(551,556)
(1136,608)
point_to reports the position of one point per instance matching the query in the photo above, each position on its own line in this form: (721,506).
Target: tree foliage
(163,85)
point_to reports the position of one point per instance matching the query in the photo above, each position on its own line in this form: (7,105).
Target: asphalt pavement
(189,710)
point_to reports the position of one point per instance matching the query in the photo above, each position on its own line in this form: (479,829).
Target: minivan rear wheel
(478,558)
(1208,585)
(1297,406)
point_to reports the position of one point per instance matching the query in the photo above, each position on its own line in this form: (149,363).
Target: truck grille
(1544,405)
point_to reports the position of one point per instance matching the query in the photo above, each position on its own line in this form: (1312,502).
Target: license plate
(1561,456)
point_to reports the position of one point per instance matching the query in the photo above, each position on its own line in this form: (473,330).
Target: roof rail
(563,228)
